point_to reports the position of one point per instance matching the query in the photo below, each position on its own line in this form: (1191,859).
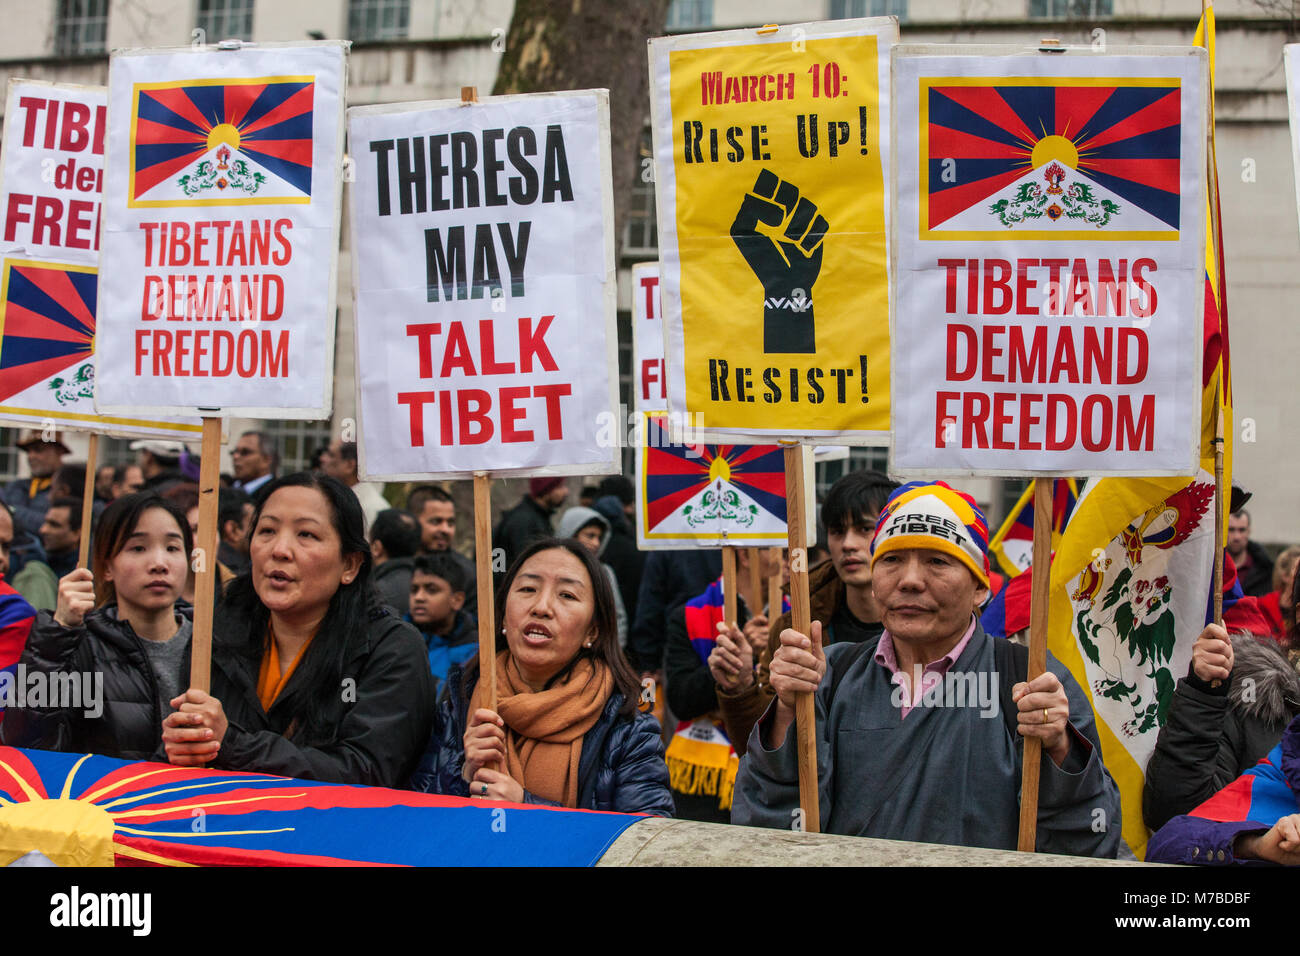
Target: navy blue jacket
(621,767)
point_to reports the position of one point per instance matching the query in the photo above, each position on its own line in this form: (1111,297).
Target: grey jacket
(947,775)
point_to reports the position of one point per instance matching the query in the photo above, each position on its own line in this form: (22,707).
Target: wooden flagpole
(88,501)
(206,549)
(487,639)
(801,621)
(1039,596)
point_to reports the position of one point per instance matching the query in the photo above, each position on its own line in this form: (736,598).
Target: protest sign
(221,213)
(770,152)
(53,168)
(649,389)
(1289,54)
(51,174)
(482,242)
(1049,286)
(708,495)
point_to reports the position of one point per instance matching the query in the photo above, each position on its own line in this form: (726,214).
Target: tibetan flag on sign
(16,617)
(1039,157)
(207,142)
(47,329)
(709,495)
(96,811)
(1131,577)
(1013,544)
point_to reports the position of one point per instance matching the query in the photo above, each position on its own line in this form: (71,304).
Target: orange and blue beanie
(933,515)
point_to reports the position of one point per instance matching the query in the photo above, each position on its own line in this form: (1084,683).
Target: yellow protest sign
(771,148)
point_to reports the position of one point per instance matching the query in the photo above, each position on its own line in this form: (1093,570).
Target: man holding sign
(925,721)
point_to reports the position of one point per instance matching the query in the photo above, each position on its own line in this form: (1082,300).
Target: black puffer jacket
(375,732)
(106,649)
(621,767)
(1213,735)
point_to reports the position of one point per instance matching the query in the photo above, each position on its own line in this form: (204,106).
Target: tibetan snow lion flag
(212,141)
(1013,544)
(96,811)
(708,495)
(1133,573)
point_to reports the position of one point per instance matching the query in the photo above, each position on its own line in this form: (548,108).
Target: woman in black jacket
(566,730)
(311,676)
(117,638)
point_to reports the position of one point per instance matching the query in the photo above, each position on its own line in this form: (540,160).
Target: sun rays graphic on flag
(222,142)
(1051,158)
(704,494)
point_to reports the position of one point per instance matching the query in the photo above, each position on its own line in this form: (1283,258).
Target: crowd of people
(345,649)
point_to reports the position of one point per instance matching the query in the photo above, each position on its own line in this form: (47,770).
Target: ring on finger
(1046,719)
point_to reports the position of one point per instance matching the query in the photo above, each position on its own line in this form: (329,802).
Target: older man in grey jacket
(919,731)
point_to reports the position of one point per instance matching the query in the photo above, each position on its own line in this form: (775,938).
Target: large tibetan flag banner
(486,299)
(1012,546)
(51,174)
(1133,575)
(771,156)
(1049,286)
(222,182)
(87,810)
(707,496)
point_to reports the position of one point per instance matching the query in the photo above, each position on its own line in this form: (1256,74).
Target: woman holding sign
(311,677)
(118,636)
(566,731)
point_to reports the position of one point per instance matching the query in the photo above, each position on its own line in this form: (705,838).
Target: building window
(689,14)
(226,19)
(829,472)
(295,441)
(379,19)
(8,454)
(641,234)
(852,9)
(80,27)
(1071,9)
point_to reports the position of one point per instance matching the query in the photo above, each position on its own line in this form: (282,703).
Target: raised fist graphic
(787,268)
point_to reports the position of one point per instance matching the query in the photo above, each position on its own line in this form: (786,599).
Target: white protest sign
(483,250)
(649,387)
(53,164)
(221,218)
(1289,54)
(51,175)
(1050,286)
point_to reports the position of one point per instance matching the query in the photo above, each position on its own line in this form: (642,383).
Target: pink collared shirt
(931,675)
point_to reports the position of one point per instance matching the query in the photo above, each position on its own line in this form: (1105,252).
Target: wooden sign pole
(755,581)
(729,584)
(801,621)
(206,548)
(1039,595)
(88,501)
(487,639)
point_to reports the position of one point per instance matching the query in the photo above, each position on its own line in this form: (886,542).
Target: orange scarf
(544,730)
(270,682)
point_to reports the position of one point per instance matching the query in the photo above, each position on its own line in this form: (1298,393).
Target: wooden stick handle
(1218,515)
(206,550)
(729,584)
(487,639)
(1038,599)
(88,501)
(755,581)
(805,713)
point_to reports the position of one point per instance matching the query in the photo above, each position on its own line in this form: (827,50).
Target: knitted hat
(935,516)
(540,486)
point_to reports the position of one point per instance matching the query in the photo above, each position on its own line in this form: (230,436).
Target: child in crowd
(437,609)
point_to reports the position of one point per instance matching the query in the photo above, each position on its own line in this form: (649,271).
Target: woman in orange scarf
(566,731)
